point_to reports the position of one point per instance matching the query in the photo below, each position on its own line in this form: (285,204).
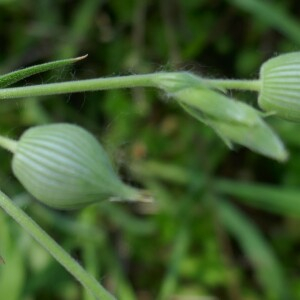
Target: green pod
(65,167)
(280,86)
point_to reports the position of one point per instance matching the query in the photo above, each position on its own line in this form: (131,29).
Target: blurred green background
(225,225)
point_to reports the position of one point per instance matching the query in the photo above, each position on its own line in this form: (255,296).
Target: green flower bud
(217,106)
(259,138)
(235,122)
(280,86)
(65,167)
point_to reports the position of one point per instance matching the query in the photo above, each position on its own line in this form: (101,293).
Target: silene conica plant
(65,167)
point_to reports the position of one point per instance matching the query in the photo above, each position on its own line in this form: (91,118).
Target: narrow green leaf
(180,247)
(15,76)
(273,15)
(277,199)
(267,268)
(12,273)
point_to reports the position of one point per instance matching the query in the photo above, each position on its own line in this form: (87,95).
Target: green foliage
(12,272)
(260,254)
(189,242)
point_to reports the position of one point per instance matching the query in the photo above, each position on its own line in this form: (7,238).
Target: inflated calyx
(65,167)
(280,86)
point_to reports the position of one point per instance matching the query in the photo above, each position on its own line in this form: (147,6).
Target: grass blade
(256,248)
(280,199)
(273,16)
(15,76)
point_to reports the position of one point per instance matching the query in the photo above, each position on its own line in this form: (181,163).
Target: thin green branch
(159,80)
(235,84)
(54,249)
(79,86)
(8,144)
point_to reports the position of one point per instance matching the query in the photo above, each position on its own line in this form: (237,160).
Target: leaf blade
(257,249)
(15,76)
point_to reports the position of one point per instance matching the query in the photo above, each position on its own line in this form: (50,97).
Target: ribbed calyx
(280,86)
(65,167)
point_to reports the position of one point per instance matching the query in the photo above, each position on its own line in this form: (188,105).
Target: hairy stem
(146,80)
(54,249)
(79,86)
(235,84)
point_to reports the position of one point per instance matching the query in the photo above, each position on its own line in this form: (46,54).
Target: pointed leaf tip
(15,76)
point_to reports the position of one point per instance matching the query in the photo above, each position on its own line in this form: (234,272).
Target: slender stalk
(89,248)
(235,84)
(54,249)
(8,144)
(130,81)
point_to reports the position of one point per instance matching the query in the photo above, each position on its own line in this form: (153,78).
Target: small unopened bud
(259,138)
(217,106)
(280,86)
(234,122)
(65,167)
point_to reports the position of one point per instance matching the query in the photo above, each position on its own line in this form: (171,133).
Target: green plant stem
(8,144)
(54,249)
(130,81)
(235,84)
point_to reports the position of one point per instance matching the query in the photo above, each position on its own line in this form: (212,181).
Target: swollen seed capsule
(65,167)
(280,86)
